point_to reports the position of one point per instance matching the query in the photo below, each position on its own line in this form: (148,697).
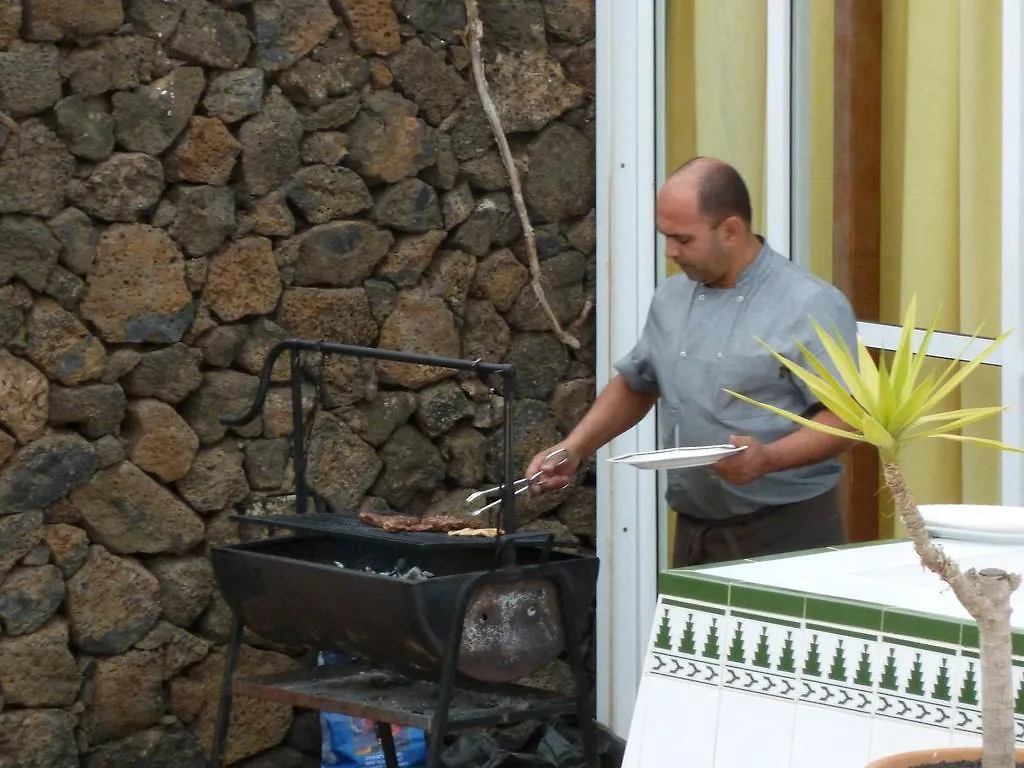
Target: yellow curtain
(715,94)
(940,197)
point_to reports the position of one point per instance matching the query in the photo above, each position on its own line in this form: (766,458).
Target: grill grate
(342,525)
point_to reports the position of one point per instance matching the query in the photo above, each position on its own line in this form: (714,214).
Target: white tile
(747,719)
(820,730)
(674,724)
(893,736)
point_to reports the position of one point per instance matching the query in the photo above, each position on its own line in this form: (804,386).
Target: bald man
(701,338)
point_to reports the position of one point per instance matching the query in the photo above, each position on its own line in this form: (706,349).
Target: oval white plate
(678,458)
(973,518)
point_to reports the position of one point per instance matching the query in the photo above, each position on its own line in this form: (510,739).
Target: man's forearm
(615,410)
(807,446)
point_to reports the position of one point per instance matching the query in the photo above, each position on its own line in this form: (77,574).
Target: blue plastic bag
(351,742)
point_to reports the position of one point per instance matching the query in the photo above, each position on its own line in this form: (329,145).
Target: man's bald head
(721,191)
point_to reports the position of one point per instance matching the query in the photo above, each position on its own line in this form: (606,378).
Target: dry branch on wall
(474,33)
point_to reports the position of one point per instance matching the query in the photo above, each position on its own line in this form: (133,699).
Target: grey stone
(445,172)
(86,127)
(485,335)
(265,462)
(61,346)
(112,602)
(570,402)
(323,193)
(109,451)
(335,114)
(500,279)
(530,90)
(342,467)
(471,133)
(409,206)
(270,146)
(466,450)
(444,18)
(44,471)
(541,361)
(383,297)
(24,399)
(324,148)
(19,533)
(154,18)
(342,253)
(151,117)
(562,278)
(450,276)
(336,314)
(29,79)
(571,20)
(376,421)
(456,205)
(233,96)
(64,287)
(186,587)
(533,430)
(487,172)
(221,345)
(180,648)
(222,393)
(412,464)
(423,76)
(14,301)
(37,669)
(68,545)
(441,407)
(120,363)
(41,737)
(96,409)
(211,36)
(29,597)
(582,234)
(120,188)
(409,257)
(216,479)
(128,512)
(28,250)
(513,24)
(331,71)
(111,714)
(34,171)
(166,747)
(561,182)
(549,240)
(204,218)
(286,30)
(113,64)
(168,374)
(493,222)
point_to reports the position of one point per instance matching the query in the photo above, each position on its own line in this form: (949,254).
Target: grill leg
(220,732)
(588,733)
(387,745)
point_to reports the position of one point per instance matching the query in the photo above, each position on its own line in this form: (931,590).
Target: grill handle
(524,537)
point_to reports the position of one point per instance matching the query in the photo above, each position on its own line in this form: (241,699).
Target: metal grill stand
(374,692)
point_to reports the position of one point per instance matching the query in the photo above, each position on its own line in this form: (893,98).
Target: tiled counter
(831,657)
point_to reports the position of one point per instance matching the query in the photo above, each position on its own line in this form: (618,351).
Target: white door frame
(630,121)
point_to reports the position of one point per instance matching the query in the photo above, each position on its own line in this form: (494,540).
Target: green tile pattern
(866,659)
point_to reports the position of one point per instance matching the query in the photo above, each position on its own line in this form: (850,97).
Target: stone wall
(184,182)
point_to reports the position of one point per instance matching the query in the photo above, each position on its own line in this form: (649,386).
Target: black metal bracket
(506,372)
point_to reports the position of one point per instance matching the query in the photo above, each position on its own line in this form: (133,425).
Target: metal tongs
(523,483)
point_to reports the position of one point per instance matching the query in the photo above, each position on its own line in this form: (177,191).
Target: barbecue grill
(439,652)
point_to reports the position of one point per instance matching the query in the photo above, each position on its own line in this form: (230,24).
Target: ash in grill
(444,625)
(401,570)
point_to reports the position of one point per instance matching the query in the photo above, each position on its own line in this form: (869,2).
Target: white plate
(968,534)
(973,518)
(678,458)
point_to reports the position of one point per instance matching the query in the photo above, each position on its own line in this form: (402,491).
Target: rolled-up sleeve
(637,367)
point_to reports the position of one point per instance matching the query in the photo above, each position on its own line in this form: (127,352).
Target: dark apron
(810,524)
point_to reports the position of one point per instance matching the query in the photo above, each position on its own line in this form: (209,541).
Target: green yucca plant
(888,406)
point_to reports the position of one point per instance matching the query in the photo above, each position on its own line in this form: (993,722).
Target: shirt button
(683,353)
(701,297)
(739,298)
(719,354)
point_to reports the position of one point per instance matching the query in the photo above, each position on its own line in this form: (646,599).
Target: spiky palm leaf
(888,406)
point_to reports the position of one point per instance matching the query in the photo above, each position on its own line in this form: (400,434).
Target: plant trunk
(997,699)
(986,596)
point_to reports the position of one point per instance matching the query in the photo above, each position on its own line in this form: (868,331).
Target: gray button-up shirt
(699,341)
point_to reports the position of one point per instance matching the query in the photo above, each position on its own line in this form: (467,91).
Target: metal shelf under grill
(361,690)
